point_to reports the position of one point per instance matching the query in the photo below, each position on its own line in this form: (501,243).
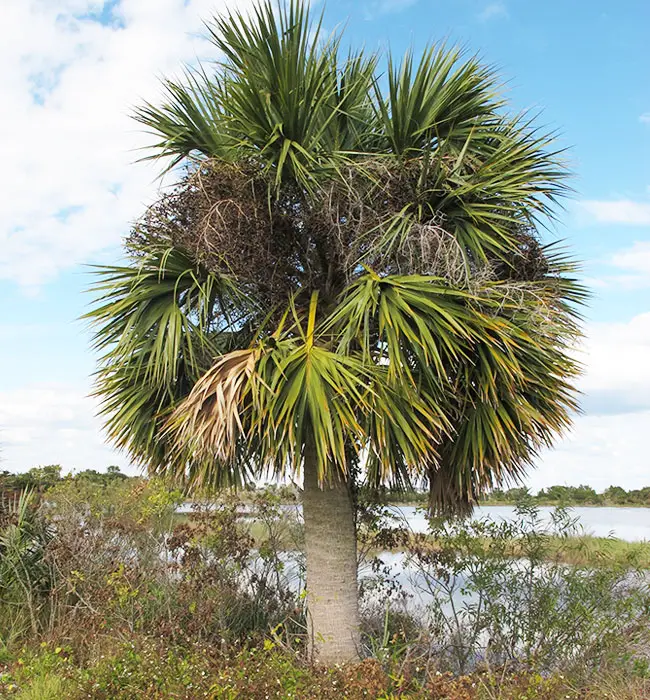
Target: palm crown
(348,262)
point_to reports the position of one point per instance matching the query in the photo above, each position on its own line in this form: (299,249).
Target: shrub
(499,594)
(114,558)
(25,574)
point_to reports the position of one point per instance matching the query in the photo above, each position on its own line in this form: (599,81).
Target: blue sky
(74,69)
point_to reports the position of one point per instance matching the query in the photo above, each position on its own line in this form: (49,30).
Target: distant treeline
(42,478)
(575,496)
(551,496)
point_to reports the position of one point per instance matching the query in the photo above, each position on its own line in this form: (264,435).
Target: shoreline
(501,504)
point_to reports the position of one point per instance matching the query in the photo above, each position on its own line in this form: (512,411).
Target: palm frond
(350,264)
(160,322)
(191,122)
(442,98)
(208,420)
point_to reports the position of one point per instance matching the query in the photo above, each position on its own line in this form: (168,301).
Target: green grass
(49,687)
(580,550)
(586,550)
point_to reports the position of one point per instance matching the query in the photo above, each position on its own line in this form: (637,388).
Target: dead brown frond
(373,214)
(209,419)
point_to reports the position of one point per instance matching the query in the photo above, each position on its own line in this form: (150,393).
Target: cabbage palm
(346,283)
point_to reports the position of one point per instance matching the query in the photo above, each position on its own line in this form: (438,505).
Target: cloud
(72,71)
(53,424)
(620,211)
(617,371)
(601,450)
(493,11)
(645,118)
(634,262)
(609,443)
(635,258)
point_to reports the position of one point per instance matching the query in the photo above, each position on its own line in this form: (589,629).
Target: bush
(26,577)
(498,594)
(107,592)
(115,558)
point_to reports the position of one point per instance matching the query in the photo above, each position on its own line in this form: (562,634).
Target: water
(631,524)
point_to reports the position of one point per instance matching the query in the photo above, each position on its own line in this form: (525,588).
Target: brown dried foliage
(228,218)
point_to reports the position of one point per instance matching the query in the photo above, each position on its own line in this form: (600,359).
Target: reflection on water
(631,524)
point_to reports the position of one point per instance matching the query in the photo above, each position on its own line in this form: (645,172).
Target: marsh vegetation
(106,593)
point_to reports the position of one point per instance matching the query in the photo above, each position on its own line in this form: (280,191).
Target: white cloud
(68,85)
(617,371)
(53,424)
(634,266)
(645,118)
(635,258)
(600,451)
(609,444)
(618,211)
(492,11)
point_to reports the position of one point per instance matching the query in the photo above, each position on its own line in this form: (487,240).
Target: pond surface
(631,524)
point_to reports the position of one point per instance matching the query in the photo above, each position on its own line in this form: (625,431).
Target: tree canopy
(350,259)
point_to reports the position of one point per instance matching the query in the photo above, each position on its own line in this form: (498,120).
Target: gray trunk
(331,547)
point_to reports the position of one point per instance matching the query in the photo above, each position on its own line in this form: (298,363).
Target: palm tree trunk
(331,545)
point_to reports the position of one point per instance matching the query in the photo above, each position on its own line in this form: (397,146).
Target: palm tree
(345,283)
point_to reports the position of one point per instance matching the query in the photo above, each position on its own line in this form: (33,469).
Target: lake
(631,524)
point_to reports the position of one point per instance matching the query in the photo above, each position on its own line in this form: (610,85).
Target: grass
(579,550)
(46,687)
(583,550)
(143,668)
(586,549)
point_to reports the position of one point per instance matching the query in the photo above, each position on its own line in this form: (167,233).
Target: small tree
(42,478)
(345,283)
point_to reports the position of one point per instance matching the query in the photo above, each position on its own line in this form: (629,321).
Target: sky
(72,71)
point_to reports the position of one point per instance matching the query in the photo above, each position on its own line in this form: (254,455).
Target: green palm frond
(421,312)
(281,97)
(496,362)
(442,98)
(270,398)
(192,120)
(514,398)
(159,322)
(403,429)
(351,264)
(26,575)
